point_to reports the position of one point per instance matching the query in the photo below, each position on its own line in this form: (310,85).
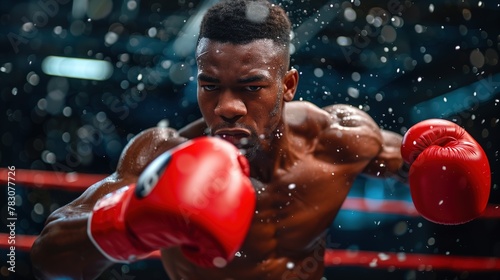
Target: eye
(253,88)
(209,87)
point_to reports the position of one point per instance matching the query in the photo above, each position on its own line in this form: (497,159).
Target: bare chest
(295,208)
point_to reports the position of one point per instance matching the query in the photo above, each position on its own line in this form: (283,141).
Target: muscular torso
(298,203)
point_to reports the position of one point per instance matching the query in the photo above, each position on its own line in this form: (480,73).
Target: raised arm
(63,249)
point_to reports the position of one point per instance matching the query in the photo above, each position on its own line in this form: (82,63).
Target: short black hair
(243,21)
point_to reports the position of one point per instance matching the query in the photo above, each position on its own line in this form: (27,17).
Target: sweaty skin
(303,160)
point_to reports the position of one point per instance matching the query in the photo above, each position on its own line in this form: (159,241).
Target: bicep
(144,148)
(351,134)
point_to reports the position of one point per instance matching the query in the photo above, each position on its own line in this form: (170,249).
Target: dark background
(400,61)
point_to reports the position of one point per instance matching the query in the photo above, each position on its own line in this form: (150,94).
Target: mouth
(237,136)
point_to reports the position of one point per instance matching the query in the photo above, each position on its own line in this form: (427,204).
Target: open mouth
(238,137)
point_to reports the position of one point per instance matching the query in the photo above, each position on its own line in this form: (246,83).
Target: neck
(274,154)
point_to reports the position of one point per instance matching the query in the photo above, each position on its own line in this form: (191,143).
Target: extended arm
(351,135)
(389,163)
(63,249)
(355,137)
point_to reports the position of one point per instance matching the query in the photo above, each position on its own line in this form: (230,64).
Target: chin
(249,151)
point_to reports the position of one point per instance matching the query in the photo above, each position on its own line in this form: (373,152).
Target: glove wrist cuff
(108,232)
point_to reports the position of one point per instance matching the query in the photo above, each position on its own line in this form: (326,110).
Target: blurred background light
(79,79)
(80,68)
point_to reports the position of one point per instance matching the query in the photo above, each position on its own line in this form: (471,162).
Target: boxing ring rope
(78,182)
(71,181)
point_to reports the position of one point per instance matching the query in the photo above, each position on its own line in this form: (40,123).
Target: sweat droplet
(291,186)
(290,265)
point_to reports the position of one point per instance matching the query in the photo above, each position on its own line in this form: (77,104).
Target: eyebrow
(251,79)
(206,78)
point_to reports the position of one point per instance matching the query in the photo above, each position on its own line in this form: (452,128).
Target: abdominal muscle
(286,239)
(288,244)
(309,266)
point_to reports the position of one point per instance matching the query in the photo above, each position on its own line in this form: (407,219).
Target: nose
(230,107)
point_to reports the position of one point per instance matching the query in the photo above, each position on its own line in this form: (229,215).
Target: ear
(290,83)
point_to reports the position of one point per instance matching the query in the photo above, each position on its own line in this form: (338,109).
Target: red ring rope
(71,181)
(333,257)
(79,182)
(368,259)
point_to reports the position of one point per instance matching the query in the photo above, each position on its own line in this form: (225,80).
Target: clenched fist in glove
(197,196)
(449,172)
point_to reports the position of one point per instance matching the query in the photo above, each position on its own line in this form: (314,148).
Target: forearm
(389,163)
(63,250)
(385,169)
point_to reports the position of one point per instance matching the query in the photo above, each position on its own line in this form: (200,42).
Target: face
(242,90)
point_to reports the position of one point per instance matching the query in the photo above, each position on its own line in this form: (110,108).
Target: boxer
(249,190)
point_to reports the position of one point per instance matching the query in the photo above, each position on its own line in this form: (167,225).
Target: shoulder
(305,114)
(349,116)
(298,108)
(305,117)
(351,134)
(145,147)
(348,121)
(339,132)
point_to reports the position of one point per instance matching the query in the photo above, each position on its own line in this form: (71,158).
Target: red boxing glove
(449,173)
(197,196)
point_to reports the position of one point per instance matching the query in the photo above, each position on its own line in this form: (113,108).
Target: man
(270,225)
